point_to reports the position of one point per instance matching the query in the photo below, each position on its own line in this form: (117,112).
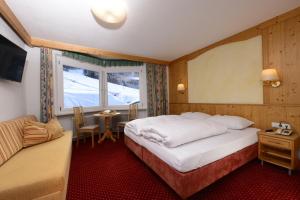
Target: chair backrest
(78,117)
(133,111)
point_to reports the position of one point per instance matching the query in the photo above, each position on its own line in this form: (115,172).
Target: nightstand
(279,150)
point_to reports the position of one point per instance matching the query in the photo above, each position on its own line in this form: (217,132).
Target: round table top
(106,114)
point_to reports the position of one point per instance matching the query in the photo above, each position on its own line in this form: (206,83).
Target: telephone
(284,131)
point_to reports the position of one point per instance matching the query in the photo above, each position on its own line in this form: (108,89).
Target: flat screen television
(12,60)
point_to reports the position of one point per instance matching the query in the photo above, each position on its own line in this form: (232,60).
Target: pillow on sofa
(36,132)
(33,134)
(35,123)
(54,128)
(11,137)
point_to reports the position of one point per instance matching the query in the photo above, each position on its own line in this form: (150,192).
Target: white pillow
(195,115)
(232,122)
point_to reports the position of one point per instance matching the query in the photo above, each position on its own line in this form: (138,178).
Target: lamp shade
(110,11)
(180,87)
(269,75)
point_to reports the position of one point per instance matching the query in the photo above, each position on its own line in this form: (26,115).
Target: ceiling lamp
(110,11)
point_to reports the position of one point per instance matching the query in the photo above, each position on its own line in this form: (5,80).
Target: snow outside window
(97,88)
(81,87)
(123,88)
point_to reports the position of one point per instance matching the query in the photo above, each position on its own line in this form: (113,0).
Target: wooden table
(107,117)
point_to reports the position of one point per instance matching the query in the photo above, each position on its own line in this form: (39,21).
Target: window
(122,88)
(81,87)
(95,87)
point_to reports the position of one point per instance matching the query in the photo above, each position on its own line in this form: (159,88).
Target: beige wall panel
(227,74)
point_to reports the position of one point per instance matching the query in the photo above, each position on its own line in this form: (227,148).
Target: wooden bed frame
(189,183)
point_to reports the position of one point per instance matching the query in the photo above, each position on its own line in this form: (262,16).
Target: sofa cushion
(54,128)
(37,171)
(36,132)
(11,136)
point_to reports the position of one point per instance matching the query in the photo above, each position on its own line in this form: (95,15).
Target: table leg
(107,134)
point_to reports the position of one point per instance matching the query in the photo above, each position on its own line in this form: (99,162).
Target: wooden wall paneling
(291,67)
(258,117)
(275,113)
(178,73)
(293,117)
(296,97)
(206,108)
(283,17)
(275,50)
(177,108)
(265,51)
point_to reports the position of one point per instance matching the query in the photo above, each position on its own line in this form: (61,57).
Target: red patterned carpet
(111,171)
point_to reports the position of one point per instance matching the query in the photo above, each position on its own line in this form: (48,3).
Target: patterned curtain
(100,61)
(46,85)
(157,92)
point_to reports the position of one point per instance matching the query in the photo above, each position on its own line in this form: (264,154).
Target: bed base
(189,183)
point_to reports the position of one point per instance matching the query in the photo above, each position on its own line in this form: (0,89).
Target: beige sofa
(37,172)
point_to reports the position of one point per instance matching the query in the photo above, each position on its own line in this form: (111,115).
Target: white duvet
(173,133)
(137,125)
(174,130)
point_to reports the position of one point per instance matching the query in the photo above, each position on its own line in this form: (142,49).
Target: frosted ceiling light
(110,11)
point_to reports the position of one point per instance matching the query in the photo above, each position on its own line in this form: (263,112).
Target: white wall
(31,80)
(12,99)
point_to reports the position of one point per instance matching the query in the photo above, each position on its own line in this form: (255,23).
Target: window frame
(59,61)
(142,86)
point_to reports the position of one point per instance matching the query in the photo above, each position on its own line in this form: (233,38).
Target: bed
(190,167)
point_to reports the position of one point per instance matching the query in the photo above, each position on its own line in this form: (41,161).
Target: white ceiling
(161,29)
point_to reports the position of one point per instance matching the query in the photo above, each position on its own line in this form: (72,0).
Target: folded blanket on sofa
(175,133)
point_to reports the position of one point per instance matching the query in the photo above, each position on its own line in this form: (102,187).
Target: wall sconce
(270,77)
(180,88)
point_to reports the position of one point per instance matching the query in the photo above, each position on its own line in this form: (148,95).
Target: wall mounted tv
(12,60)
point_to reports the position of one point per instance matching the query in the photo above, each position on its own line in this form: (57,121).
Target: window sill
(69,113)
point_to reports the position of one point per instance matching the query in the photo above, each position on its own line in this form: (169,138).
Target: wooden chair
(80,126)
(132,114)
